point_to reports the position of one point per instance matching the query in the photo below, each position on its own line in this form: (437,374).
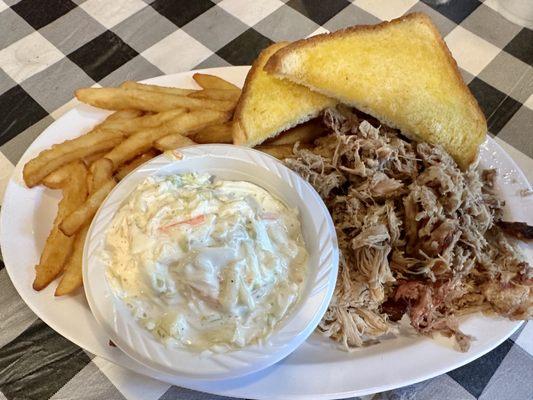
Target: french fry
(145,122)
(120,99)
(96,140)
(171,142)
(143,140)
(217,94)
(75,220)
(72,275)
(57,179)
(89,183)
(219,133)
(58,246)
(207,81)
(124,114)
(280,152)
(71,150)
(156,88)
(127,168)
(305,133)
(100,172)
(136,144)
(93,157)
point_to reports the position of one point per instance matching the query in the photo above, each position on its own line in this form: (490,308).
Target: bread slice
(400,72)
(269,105)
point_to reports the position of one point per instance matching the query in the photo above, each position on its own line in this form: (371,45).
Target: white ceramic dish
(316,370)
(230,163)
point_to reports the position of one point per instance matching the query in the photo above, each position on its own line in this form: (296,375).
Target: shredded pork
(417,235)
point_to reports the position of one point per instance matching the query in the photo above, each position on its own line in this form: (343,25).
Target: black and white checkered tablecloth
(49,48)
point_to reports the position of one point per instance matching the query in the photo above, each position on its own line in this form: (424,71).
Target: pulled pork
(417,235)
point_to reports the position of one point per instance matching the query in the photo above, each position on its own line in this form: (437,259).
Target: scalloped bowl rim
(227,162)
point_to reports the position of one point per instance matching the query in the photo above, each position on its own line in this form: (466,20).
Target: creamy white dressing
(206,264)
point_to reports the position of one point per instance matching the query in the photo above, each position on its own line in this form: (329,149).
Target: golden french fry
(156,88)
(280,152)
(72,275)
(58,178)
(145,122)
(207,81)
(100,172)
(74,221)
(95,141)
(124,114)
(120,99)
(171,142)
(305,133)
(143,140)
(88,160)
(127,168)
(58,155)
(89,183)
(136,144)
(219,133)
(217,94)
(58,246)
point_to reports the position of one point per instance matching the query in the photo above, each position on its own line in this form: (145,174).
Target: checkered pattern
(49,48)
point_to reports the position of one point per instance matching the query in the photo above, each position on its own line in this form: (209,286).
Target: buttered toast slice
(269,105)
(400,72)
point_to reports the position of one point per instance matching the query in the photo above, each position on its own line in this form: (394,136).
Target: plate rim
(197,384)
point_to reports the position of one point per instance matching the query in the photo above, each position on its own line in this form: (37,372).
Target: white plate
(316,370)
(235,163)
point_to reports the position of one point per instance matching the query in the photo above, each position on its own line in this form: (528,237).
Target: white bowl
(230,163)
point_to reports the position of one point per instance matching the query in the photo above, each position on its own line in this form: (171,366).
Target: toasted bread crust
(274,66)
(239,134)
(269,105)
(273,63)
